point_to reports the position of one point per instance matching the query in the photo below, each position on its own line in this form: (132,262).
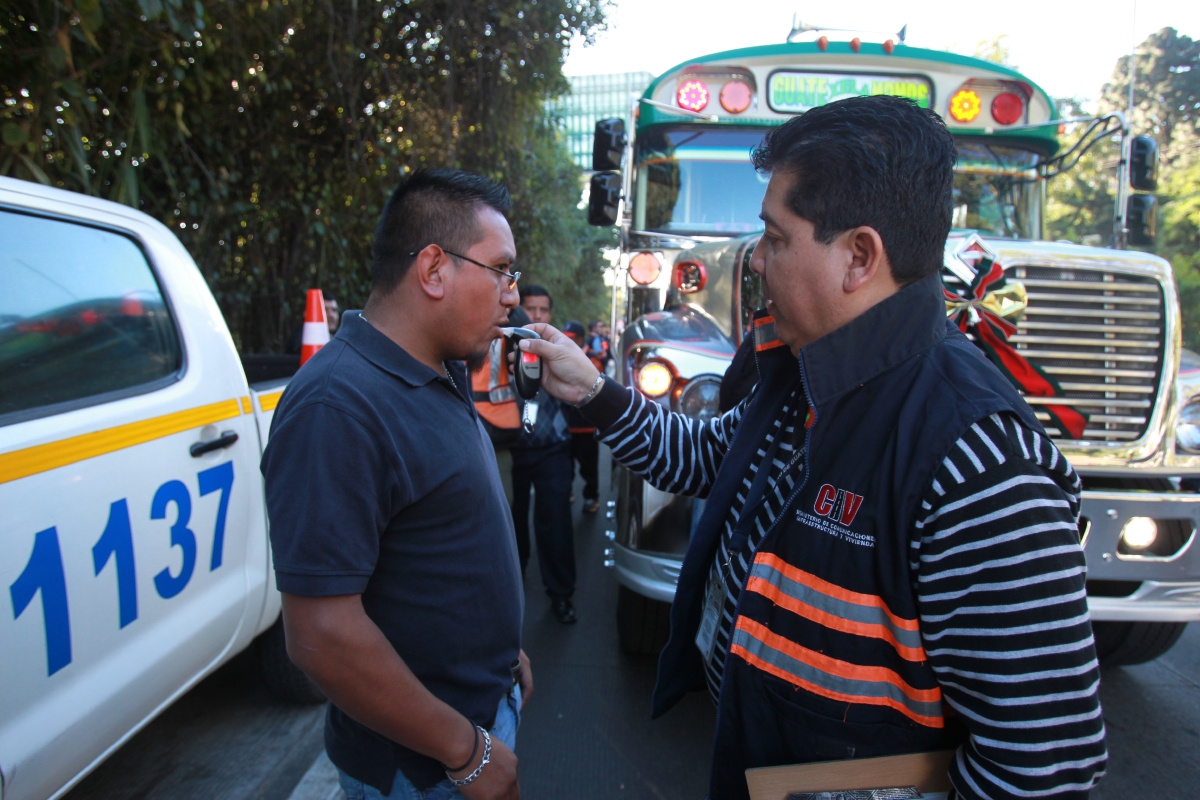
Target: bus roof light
(692,95)
(690,276)
(736,97)
(855,44)
(823,43)
(1008,108)
(889,46)
(965,105)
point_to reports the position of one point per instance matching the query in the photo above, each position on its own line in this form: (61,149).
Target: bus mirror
(608,144)
(1143,164)
(1141,216)
(604,195)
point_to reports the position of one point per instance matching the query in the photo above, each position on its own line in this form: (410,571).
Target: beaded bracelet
(487,758)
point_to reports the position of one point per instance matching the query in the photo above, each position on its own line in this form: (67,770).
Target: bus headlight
(701,399)
(1187,430)
(654,379)
(1139,532)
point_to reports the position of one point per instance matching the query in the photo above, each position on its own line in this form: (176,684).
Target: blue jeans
(508,718)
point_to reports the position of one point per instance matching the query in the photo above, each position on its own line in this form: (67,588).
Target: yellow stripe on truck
(44,457)
(269,401)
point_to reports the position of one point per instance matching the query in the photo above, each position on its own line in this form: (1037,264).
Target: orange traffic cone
(316,328)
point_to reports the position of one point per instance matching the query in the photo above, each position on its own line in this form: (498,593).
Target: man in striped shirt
(888,561)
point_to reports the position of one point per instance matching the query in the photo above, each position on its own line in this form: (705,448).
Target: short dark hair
(533,290)
(880,161)
(436,206)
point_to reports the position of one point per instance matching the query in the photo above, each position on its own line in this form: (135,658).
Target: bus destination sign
(791,92)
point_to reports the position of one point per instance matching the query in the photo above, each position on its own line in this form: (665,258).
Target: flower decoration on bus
(988,309)
(692,95)
(965,105)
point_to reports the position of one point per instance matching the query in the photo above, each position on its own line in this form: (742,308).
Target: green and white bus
(1100,325)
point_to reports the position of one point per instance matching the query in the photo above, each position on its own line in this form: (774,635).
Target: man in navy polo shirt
(392,539)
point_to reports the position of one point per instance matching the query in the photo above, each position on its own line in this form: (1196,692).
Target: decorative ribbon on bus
(988,310)
(792,92)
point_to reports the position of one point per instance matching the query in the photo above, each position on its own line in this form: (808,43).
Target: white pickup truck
(134,557)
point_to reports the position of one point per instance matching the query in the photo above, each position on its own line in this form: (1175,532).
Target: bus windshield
(698,182)
(701,182)
(997,191)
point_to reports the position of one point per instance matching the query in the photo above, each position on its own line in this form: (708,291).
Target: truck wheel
(281,677)
(642,624)
(1123,643)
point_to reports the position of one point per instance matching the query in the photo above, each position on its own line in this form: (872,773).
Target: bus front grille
(1100,336)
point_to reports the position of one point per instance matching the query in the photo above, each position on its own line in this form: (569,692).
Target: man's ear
(429,271)
(867,260)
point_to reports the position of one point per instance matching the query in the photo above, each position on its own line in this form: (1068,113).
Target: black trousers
(585,450)
(549,471)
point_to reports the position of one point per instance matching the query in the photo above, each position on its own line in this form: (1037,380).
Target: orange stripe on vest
(833,590)
(800,608)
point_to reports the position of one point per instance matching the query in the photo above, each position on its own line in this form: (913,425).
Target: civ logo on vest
(834,506)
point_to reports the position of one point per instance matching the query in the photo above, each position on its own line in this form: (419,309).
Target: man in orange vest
(496,401)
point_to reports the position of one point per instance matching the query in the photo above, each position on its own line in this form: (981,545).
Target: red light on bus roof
(822,43)
(1008,108)
(692,95)
(889,47)
(855,44)
(735,97)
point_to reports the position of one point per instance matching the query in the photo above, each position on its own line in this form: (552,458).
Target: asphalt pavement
(586,733)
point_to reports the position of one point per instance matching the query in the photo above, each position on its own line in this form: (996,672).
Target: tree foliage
(268,133)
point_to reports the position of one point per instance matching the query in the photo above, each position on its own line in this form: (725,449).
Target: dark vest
(826,660)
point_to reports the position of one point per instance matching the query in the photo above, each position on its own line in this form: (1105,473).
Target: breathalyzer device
(527,373)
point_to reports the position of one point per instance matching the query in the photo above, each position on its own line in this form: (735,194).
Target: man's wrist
(465,752)
(591,391)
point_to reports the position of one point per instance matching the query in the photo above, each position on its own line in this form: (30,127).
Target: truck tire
(1124,643)
(642,624)
(282,678)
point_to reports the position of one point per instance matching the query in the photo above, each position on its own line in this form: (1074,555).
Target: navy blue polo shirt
(381,481)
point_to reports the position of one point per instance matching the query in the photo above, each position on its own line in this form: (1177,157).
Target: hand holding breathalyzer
(566,372)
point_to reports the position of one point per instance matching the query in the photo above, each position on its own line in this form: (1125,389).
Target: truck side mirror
(1143,164)
(1141,217)
(604,196)
(608,144)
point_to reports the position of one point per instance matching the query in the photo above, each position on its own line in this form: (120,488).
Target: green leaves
(245,123)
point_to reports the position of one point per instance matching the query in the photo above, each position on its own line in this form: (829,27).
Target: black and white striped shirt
(999,577)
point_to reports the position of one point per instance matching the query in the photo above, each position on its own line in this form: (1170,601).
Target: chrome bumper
(1170,586)
(648,575)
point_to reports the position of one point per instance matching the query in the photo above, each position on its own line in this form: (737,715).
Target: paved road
(586,734)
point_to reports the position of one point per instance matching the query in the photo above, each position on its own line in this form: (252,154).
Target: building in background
(592,98)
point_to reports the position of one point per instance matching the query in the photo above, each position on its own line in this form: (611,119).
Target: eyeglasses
(513,277)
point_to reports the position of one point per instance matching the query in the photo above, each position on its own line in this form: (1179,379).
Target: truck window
(82,319)
(997,191)
(698,182)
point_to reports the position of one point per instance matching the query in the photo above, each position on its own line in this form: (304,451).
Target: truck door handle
(226,439)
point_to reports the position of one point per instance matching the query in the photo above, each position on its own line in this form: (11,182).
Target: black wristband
(474,750)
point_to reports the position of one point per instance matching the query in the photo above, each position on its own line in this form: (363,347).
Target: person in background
(598,346)
(402,595)
(585,450)
(333,319)
(496,402)
(542,461)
